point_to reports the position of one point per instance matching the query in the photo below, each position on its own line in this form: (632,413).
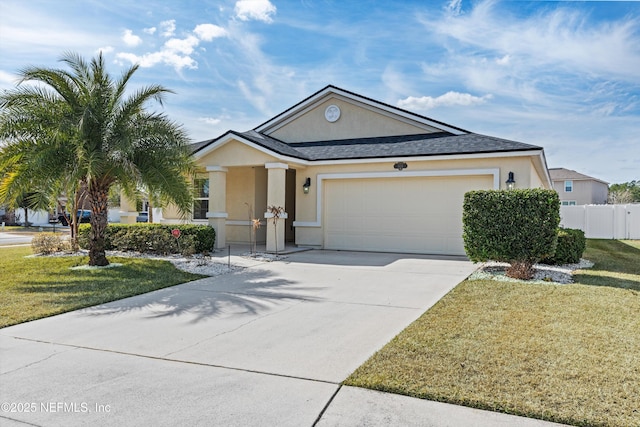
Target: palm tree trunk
(99,199)
(73,221)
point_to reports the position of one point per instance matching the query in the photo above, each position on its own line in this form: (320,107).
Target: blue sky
(563,75)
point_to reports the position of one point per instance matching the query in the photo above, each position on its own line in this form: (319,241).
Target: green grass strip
(36,287)
(564,353)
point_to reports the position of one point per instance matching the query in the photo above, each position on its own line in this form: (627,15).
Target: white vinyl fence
(603,221)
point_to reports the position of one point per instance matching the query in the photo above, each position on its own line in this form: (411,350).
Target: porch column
(276,182)
(217,213)
(128,212)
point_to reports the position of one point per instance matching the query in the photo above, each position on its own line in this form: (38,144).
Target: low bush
(188,245)
(571,246)
(154,238)
(48,243)
(144,239)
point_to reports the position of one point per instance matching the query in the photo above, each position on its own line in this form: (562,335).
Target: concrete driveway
(267,345)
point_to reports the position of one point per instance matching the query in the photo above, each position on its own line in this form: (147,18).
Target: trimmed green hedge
(571,246)
(154,238)
(514,226)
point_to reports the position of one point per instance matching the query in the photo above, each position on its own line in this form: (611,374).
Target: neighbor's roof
(560,174)
(429,144)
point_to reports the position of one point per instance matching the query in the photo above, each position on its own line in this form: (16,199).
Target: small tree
(627,192)
(254,224)
(276,212)
(514,226)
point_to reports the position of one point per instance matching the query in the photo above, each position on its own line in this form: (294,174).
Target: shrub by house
(154,238)
(514,226)
(571,246)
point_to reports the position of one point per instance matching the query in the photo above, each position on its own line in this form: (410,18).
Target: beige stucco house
(353,173)
(578,189)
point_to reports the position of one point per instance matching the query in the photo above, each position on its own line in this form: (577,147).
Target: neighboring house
(352,173)
(577,189)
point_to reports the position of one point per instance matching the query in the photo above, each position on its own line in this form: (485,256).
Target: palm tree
(79,128)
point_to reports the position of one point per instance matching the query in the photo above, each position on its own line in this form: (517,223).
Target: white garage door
(414,215)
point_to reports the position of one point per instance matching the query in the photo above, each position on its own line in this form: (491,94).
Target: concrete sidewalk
(266,345)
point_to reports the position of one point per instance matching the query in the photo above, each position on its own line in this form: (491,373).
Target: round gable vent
(332,113)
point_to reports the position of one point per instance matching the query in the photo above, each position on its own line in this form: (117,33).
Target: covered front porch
(238,196)
(237,183)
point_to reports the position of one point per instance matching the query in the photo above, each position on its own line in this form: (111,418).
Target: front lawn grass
(36,287)
(617,264)
(564,353)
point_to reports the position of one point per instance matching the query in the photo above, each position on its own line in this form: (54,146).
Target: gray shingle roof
(255,137)
(441,143)
(430,144)
(196,146)
(272,143)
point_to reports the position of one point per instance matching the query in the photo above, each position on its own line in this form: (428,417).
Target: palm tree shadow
(235,294)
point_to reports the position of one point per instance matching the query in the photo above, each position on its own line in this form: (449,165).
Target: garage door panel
(416,214)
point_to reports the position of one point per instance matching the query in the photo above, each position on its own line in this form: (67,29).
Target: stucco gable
(357,117)
(235,152)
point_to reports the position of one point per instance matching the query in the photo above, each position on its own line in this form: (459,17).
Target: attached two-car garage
(415,214)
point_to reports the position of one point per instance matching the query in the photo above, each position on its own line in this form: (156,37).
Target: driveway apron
(265,345)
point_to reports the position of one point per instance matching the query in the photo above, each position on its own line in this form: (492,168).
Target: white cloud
(38,33)
(448,99)
(166,57)
(150,30)
(184,46)
(396,81)
(259,10)
(454,7)
(208,32)
(256,97)
(168,28)
(130,39)
(175,52)
(554,37)
(261,79)
(210,120)
(552,60)
(504,60)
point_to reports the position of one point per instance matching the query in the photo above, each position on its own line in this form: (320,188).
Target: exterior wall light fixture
(511,182)
(306,186)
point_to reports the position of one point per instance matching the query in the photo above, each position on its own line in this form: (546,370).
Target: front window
(568,186)
(201,198)
(568,203)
